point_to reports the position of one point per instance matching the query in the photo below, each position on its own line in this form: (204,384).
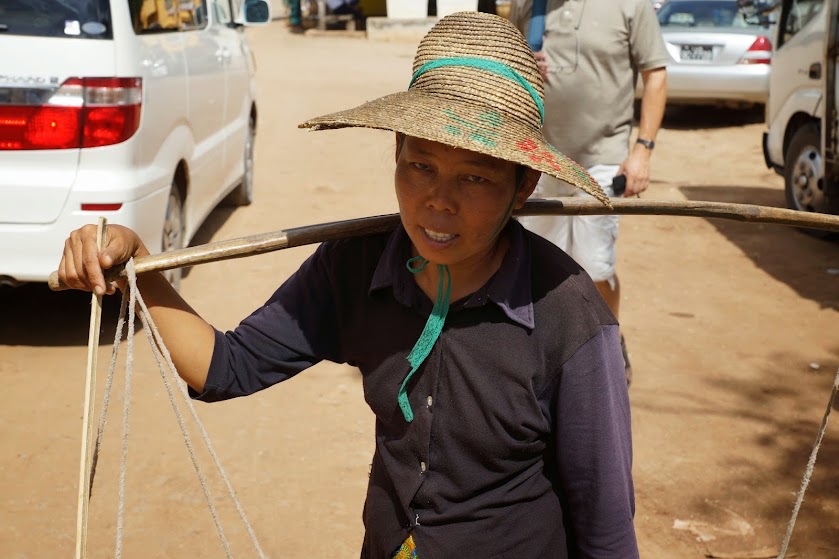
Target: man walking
(590,53)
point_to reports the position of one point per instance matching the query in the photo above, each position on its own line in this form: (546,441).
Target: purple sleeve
(295,329)
(594,449)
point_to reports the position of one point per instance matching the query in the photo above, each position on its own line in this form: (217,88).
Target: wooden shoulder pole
(299,236)
(87,422)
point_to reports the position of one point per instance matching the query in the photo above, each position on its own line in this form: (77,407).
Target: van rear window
(69,19)
(160,16)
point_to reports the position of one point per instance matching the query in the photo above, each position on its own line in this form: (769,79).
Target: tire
(173,234)
(242,195)
(804,175)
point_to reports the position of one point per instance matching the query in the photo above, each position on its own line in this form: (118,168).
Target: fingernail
(98,290)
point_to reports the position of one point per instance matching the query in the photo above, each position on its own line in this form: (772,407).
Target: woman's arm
(594,449)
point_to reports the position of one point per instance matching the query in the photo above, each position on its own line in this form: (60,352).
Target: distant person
(295,17)
(590,53)
(492,365)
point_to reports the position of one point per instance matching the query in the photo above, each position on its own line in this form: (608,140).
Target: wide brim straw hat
(475,86)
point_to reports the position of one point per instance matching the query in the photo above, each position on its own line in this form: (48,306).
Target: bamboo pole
(87,423)
(299,236)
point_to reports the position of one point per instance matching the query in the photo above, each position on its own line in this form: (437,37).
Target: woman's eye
(475,179)
(421,166)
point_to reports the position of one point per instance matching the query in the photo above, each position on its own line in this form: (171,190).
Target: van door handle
(815,71)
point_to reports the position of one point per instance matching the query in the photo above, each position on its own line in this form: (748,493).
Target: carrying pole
(309,234)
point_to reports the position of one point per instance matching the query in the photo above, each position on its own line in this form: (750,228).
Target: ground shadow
(806,264)
(701,117)
(32,315)
(776,407)
(206,233)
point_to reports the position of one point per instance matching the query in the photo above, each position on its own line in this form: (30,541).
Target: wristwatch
(649,144)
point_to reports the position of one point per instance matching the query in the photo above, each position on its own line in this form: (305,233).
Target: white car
(141,111)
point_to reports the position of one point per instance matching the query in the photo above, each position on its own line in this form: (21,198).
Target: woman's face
(453,201)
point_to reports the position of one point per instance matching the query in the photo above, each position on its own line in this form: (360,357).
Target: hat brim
(463,125)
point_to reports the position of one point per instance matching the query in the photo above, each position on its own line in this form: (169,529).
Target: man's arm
(636,167)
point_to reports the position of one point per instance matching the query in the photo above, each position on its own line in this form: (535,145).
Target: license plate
(697,53)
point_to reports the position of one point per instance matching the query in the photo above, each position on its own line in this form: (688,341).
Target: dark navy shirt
(520,445)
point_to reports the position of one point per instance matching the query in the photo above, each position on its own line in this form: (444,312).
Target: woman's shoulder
(562,288)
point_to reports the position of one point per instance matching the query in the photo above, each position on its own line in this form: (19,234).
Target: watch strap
(649,144)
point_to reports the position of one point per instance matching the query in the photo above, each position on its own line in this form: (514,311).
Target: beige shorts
(588,239)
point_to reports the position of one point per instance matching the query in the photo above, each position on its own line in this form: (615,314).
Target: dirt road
(731,327)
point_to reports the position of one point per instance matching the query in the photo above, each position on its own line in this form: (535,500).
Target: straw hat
(476,86)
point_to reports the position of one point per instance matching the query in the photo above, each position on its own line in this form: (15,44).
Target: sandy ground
(723,320)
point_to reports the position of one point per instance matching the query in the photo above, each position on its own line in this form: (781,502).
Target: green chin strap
(434,325)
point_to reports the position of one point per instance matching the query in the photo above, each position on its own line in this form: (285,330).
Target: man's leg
(295,16)
(611,292)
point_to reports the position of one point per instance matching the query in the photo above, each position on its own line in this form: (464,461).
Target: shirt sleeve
(594,449)
(294,330)
(646,42)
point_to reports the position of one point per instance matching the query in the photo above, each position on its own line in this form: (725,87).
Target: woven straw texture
(471,108)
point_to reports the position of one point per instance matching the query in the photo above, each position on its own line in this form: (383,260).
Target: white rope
(126,409)
(108,384)
(161,353)
(130,300)
(811,463)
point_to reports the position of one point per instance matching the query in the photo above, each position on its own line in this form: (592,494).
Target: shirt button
(422,467)
(430,400)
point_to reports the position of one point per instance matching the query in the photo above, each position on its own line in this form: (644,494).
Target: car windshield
(702,13)
(83,19)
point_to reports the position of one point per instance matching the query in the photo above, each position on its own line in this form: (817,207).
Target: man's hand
(542,63)
(636,167)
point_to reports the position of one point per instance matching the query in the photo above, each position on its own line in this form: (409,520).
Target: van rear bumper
(30,252)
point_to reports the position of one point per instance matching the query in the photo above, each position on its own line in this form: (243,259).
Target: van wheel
(804,175)
(173,233)
(242,195)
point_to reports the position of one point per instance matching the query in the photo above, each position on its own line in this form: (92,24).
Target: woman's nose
(442,196)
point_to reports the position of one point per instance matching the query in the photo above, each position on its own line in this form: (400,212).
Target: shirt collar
(509,288)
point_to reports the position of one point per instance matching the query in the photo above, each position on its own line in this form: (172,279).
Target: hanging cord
(130,298)
(108,384)
(161,354)
(126,409)
(431,331)
(811,463)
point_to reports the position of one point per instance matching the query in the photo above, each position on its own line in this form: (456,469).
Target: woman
(491,362)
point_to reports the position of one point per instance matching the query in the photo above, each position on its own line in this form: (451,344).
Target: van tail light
(81,113)
(759,53)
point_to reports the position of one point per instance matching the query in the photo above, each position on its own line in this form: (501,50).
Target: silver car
(718,55)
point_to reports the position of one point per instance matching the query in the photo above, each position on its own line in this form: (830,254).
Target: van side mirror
(255,12)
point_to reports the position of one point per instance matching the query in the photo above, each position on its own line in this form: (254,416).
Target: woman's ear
(528,185)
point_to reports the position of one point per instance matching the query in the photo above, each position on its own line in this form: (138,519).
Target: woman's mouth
(438,237)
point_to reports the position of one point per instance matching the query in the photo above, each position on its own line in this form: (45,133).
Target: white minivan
(802,91)
(142,111)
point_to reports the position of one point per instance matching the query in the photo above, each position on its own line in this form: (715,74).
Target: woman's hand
(82,264)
